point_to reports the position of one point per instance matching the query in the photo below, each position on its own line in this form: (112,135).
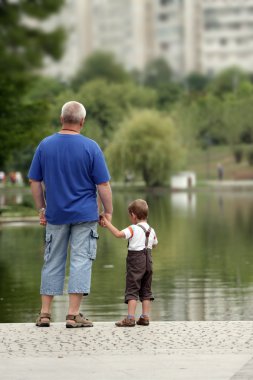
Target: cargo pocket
(150,263)
(48,241)
(93,244)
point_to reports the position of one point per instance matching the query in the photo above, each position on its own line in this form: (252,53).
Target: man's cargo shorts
(82,239)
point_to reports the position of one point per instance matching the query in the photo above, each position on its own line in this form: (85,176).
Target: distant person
(141,239)
(19,179)
(12,177)
(220,171)
(73,169)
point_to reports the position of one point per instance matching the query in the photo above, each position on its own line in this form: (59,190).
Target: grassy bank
(204,164)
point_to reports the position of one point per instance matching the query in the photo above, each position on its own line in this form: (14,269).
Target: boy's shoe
(143,321)
(127,322)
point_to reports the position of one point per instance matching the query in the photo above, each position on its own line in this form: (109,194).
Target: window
(166,2)
(223,41)
(163,17)
(212,25)
(164,46)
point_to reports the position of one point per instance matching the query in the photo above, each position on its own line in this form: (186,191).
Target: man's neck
(70,129)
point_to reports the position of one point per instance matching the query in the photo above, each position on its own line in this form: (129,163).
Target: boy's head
(139,208)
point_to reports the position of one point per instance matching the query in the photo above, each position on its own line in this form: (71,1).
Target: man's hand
(105,221)
(39,199)
(103,217)
(43,221)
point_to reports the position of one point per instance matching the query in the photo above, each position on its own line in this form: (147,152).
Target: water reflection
(203,267)
(184,202)
(10,196)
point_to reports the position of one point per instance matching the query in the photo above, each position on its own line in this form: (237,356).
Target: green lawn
(204,164)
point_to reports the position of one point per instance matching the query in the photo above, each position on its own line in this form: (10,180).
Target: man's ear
(82,121)
(61,120)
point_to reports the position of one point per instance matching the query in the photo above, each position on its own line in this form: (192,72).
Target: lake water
(203,266)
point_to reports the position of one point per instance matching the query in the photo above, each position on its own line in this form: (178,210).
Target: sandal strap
(44,315)
(72,317)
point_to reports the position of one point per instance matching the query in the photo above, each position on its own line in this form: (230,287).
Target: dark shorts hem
(130,299)
(141,299)
(147,298)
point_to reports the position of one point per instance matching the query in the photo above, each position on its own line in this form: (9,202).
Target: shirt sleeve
(35,171)
(128,232)
(155,240)
(100,172)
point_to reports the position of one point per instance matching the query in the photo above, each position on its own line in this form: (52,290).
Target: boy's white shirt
(136,237)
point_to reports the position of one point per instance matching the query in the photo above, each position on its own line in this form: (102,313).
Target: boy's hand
(107,217)
(104,218)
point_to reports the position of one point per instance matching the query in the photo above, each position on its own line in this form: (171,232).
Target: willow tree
(147,144)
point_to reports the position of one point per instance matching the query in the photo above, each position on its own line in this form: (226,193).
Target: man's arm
(105,195)
(39,199)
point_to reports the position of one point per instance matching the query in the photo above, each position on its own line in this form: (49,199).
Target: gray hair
(73,112)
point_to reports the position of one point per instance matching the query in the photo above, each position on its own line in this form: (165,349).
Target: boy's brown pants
(139,276)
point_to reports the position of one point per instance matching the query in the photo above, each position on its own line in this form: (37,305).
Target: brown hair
(139,207)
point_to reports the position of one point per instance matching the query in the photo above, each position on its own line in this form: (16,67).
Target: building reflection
(184,202)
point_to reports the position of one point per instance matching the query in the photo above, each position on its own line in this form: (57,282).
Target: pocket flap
(94,234)
(48,238)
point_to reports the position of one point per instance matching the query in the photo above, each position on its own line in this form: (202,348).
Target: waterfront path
(163,350)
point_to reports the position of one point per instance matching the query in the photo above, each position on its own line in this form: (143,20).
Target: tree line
(145,121)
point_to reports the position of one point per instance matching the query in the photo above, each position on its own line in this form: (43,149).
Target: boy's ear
(133,215)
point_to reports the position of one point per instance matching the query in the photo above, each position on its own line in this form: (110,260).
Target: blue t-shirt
(70,166)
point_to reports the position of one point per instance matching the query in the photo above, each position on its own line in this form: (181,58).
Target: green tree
(227,81)
(100,65)
(106,104)
(147,144)
(196,82)
(238,116)
(22,48)
(158,76)
(156,73)
(202,120)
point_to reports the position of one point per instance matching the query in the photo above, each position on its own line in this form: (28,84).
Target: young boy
(141,239)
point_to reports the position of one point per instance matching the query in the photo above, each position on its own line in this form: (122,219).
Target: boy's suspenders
(147,233)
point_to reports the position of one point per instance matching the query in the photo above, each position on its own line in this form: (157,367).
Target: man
(71,169)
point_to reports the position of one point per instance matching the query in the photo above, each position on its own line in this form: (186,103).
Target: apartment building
(203,36)
(226,35)
(123,28)
(75,18)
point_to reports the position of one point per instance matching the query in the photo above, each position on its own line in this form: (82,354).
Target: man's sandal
(41,316)
(79,321)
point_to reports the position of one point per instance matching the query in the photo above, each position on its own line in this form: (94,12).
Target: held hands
(104,218)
